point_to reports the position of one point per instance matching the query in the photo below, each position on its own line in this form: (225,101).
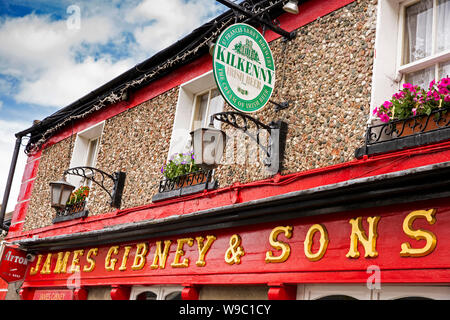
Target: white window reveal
(85,152)
(198,99)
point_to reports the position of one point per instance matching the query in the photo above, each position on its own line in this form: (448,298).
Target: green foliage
(179,164)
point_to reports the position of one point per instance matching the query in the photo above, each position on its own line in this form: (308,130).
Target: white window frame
(362,292)
(161,291)
(81,150)
(185,111)
(388,71)
(433,59)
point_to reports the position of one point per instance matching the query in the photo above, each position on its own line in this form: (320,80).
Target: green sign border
(248,106)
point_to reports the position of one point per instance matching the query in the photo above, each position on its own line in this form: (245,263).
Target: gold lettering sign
(309,242)
(61,263)
(279,245)
(161,256)
(420,234)
(91,267)
(358,235)
(139,258)
(111,263)
(203,249)
(235,250)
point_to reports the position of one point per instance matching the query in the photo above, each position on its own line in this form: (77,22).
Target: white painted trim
(425,62)
(17,222)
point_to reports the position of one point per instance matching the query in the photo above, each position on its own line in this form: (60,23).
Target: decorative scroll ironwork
(397,129)
(190,179)
(71,209)
(99,177)
(244,122)
(258,11)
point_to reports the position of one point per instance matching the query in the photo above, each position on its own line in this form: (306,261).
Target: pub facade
(256,158)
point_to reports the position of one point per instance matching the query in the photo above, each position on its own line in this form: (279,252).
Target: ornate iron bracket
(256,12)
(245,122)
(89,173)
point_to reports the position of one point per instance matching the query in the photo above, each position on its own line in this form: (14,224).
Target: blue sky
(55,51)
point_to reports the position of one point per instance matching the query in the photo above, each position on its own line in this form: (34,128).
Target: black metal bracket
(89,173)
(280,106)
(256,12)
(244,122)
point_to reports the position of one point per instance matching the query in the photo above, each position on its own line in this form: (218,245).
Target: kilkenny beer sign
(243,68)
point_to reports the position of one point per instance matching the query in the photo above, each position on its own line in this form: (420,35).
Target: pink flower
(443,91)
(432,83)
(447,98)
(414,111)
(445,82)
(375,110)
(387,104)
(384,118)
(407,85)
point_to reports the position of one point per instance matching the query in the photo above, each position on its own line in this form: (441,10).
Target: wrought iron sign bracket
(242,122)
(280,106)
(256,12)
(118,179)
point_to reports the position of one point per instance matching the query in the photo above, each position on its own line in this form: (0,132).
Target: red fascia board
(410,276)
(366,167)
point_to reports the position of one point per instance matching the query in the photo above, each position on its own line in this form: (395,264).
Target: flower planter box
(184,185)
(418,124)
(72,211)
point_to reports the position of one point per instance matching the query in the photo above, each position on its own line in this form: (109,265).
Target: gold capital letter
(309,242)
(420,234)
(46,267)
(91,261)
(203,249)
(75,260)
(111,263)
(61,263)
(161,256)
(180,252)
(123,266)
(284,247)
(139,258)
(358,234)
(34,270)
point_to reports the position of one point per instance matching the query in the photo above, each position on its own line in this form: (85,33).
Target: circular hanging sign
(243,68)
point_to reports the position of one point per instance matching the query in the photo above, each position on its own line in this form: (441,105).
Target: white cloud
(7,142)
(41,54)
(164,22)
(56,65)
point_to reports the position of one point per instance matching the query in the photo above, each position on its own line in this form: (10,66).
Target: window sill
(184,191)
(77,215)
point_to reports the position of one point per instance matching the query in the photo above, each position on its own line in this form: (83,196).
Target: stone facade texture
(325,73)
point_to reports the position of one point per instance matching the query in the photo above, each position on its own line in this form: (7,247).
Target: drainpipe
(12,168)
